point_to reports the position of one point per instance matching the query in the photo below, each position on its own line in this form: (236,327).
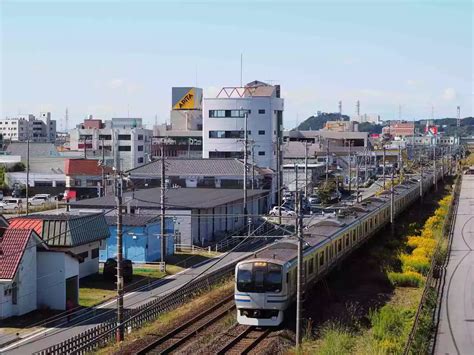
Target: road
(51,336)
(456,328)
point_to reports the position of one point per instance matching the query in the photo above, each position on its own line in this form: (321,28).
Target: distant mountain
(446,125)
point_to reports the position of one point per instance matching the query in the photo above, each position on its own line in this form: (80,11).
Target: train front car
(260,292)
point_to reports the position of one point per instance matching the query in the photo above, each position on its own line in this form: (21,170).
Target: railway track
(187,332)
(245,341)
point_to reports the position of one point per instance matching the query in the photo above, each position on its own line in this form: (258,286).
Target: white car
(9,204)
(39,200)
(285,212)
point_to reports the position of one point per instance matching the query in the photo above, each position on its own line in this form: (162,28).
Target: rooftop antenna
(340,110)
(156,120)
(358,108)
(241,67)
(66,120)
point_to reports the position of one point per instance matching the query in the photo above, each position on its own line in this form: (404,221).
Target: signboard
(431,130)
(186,98)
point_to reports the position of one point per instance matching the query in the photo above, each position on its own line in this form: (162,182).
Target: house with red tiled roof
(32,276)
(84,177)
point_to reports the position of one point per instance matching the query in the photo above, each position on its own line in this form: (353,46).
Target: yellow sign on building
(187,102)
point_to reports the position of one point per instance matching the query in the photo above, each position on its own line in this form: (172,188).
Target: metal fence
(104,333)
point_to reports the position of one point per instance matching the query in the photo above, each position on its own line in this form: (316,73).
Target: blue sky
(108,58)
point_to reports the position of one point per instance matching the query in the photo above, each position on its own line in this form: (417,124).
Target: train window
(259,277)
(287,277)
(339,245)
(311,267)
(347,240)
(353,236)
(321,258)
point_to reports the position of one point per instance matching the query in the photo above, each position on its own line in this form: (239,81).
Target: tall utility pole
(421,176)
(435,175)
(350,166)
(253,166)
(162,206)
(357,180)
(102,165)
(383,167)
(327,160)
(27,173)
(299,281)
(340,110)
(278,179)
(392,200)
(306,169)
(118,198)
(85,148)
(365,164)
(246,144)
(458,124)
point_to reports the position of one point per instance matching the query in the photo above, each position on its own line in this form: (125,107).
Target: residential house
(79,235)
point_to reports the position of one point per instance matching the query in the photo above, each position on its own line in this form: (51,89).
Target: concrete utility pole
(300,276)
(102,165)
(118,198)
(350,166)
(246,144)
(327,161)
(421,177)
(27,174)
(162,207)
(85,148)
(306,169)
(365,165)
(392,200)
(383,167)
(253,166)
(435,174)
(357,180)
(278,179)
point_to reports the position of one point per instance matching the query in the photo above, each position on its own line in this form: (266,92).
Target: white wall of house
(25,280)
(90,265)
(53,270)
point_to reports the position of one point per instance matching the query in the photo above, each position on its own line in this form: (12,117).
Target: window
(261,112)
(311,266)
(259,277)
(14,293)
(105,137)
(77,182)
(140,148)
(227,113)
(339,245)
(140,160)
(91,183)
(124,137)
(140,137)
(238,155)
(95,253)
(83,256)
(124,148)
(321,258)
(261,133)
(226,134)
(261,153)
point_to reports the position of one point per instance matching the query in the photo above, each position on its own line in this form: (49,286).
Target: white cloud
(413,82)
(115,83)
(449,94)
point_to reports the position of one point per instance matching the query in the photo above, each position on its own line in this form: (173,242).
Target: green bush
(406,279)
(336,339)
(390,325)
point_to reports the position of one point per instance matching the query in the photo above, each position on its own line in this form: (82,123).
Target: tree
(17,167)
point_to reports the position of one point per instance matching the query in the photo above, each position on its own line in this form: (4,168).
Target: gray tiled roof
(132,220)
(182,198)
(192,167)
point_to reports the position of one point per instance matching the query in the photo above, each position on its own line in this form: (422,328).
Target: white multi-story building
(224,122)
(24,127)
(126,143)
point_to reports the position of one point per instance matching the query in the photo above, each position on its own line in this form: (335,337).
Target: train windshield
(259,277)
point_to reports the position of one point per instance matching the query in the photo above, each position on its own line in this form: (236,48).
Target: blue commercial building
(141,238)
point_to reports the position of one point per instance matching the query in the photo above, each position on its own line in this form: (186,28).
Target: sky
(121,58)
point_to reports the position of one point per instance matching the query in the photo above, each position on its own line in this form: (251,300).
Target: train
(265,284)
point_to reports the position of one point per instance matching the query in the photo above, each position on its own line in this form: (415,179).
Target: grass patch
(336,339)
(406,279)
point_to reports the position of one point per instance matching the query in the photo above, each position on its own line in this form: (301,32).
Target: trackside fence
(104,333)
(435,273)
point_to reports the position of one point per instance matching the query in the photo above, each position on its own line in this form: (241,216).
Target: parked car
(110,269)
(314,199)
(285,212)
(39,200)
(11,204)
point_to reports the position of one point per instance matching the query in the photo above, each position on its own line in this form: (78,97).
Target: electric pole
(300,276)
(350,167)
(392,199)
(278,179)
(435,175)
(246,144)
(162,206)
(383,167)
(327,160)
(306,169)
(118,198)
(421,177)
(357,180)
(27,173)
(104,182)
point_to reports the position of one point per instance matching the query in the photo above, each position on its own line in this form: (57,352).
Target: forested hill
(446,125)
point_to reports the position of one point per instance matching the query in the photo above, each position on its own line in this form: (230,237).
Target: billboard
(186,98)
